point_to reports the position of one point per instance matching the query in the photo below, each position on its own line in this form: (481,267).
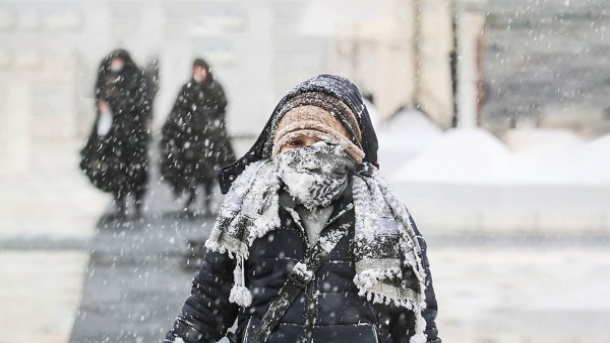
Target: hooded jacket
(329,309)
(118,160)
(333,85)
(195,143)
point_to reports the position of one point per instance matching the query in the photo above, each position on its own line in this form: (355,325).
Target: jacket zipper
(310,288)
(309,292)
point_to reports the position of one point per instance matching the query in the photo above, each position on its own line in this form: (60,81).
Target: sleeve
(207,314)
(185,100)
(400,320)
(220,99)
(170,127)
(144,97)
(98,88)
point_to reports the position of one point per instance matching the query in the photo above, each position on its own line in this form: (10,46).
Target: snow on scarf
(387,253)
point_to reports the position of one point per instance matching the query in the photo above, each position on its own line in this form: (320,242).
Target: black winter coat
(328,310)
(195,143)
(118,161)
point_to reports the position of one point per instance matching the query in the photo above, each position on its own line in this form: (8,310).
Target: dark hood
(333,85)
(121,53)
(200,62)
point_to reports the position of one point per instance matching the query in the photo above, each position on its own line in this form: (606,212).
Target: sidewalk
(133,287)
(47,217)
(521,295)
(51,199)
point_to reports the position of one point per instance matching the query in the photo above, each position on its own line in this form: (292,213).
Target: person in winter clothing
(310,244)
(195,143)
(115,157)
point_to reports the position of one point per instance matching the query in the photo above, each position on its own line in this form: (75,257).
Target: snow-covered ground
(424,153)
(515,295)
(40,294)
(468,179)
(51,202)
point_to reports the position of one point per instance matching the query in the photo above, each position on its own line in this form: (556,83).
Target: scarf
(386,250)
(315,175)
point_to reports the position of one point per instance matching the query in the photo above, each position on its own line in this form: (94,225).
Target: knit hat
(200,62)
(318,115)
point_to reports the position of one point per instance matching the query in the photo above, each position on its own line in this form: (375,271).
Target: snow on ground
(460,156)
(533,181)
(512,295)
(413,150)
(40,294)
(405,136)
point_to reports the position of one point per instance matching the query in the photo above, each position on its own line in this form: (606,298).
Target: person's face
(117,64)
(199,73)
(299,142)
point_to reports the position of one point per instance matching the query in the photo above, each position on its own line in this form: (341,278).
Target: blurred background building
(464,63)
(259,49)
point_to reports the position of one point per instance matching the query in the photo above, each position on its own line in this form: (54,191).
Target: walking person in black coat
(115,157)
(195,144)
(310,244)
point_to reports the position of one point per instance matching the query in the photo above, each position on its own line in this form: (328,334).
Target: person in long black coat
(310,244)
(115,157)
(195,144)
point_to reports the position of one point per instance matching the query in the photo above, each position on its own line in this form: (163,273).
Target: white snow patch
(403,137)
(541,140)
(530,156)
(461,156)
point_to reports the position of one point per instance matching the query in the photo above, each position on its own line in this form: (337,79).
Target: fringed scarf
(388,264)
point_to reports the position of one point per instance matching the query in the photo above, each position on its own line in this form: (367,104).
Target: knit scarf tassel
(250,210)
(240,293)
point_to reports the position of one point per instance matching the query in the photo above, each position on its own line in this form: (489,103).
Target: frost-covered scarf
(387,253)
(315,175)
